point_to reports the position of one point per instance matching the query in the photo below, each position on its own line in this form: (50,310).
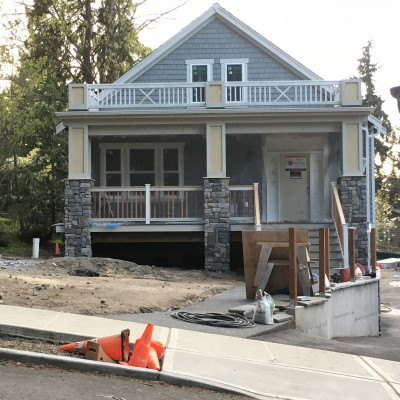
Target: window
(158,164)
(198,71)
(113,167)
(234,70)
(171,167)
(142,167)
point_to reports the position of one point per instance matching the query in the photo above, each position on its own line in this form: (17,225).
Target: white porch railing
(148,203)
(283,93)
(169,95)
(145,95)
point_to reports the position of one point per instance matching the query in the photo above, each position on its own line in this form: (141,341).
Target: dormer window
(198,71)
(234,70)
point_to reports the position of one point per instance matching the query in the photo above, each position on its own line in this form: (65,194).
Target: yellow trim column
(216,151)
(352,149)
(78,153)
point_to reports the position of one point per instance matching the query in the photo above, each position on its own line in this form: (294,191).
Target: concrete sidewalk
(259,369)
(219,303)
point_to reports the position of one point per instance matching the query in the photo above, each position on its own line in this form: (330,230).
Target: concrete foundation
(353,310)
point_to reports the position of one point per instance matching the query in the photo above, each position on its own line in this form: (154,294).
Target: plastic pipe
(35,248)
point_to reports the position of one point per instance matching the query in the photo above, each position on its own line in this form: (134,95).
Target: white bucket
(35,248)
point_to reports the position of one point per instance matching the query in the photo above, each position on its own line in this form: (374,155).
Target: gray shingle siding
(217,41)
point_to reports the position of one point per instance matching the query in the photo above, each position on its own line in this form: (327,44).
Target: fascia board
(167,47)
(377,124)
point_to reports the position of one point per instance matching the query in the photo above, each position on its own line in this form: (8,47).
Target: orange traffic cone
(57,250)
(116,346)
(152,361)
(158,347)
(141,349)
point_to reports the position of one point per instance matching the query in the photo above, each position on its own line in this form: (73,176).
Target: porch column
(78,212)
(353,196)
(216,202)
(78,202)
(216,224)
(352,162)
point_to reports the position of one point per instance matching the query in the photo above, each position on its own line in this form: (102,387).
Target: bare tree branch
(150,21)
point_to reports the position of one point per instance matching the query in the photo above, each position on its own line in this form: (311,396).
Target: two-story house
(215,132)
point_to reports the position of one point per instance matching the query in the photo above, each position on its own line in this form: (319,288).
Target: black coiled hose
(215,319)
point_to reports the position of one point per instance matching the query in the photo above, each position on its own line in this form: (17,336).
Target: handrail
(257,208)
(242,203)
(340,224)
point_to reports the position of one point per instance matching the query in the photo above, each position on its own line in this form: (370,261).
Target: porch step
(336,258)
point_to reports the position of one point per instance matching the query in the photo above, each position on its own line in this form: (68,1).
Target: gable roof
(216,11)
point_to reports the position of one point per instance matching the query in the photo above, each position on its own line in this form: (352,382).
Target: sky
(327,36)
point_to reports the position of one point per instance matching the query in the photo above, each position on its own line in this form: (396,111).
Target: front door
(294,187)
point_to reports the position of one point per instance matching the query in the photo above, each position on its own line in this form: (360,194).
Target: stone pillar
(78,212)
(353,196)
(216,224)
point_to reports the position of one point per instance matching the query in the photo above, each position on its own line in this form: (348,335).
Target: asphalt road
(21,382)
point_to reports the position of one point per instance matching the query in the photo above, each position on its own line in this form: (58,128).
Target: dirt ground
(105,286)
(124,287)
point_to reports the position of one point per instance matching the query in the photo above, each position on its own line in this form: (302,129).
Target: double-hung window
(234,70)
(113,167)
(158,164)
(198,71)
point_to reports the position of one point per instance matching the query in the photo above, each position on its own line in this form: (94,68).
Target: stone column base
(78,212)
(216,224)
(353,196)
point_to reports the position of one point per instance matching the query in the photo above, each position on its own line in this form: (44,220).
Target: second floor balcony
(203,95)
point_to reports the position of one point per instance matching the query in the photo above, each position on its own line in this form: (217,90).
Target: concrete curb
(31,333)
(77,364)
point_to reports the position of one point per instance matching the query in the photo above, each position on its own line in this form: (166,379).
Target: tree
(366,70)
(91,41)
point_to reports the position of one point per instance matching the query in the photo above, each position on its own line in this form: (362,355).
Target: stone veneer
(78,212)
(353,196)
(216,224)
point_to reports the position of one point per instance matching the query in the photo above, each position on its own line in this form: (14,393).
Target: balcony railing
(139,96)
(148,204)
(283,93)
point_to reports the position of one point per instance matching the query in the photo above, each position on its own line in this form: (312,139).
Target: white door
(294,187)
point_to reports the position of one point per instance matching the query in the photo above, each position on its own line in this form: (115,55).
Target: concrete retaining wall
(352,311)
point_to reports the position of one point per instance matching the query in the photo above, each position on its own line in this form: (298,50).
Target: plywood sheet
(251,252)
